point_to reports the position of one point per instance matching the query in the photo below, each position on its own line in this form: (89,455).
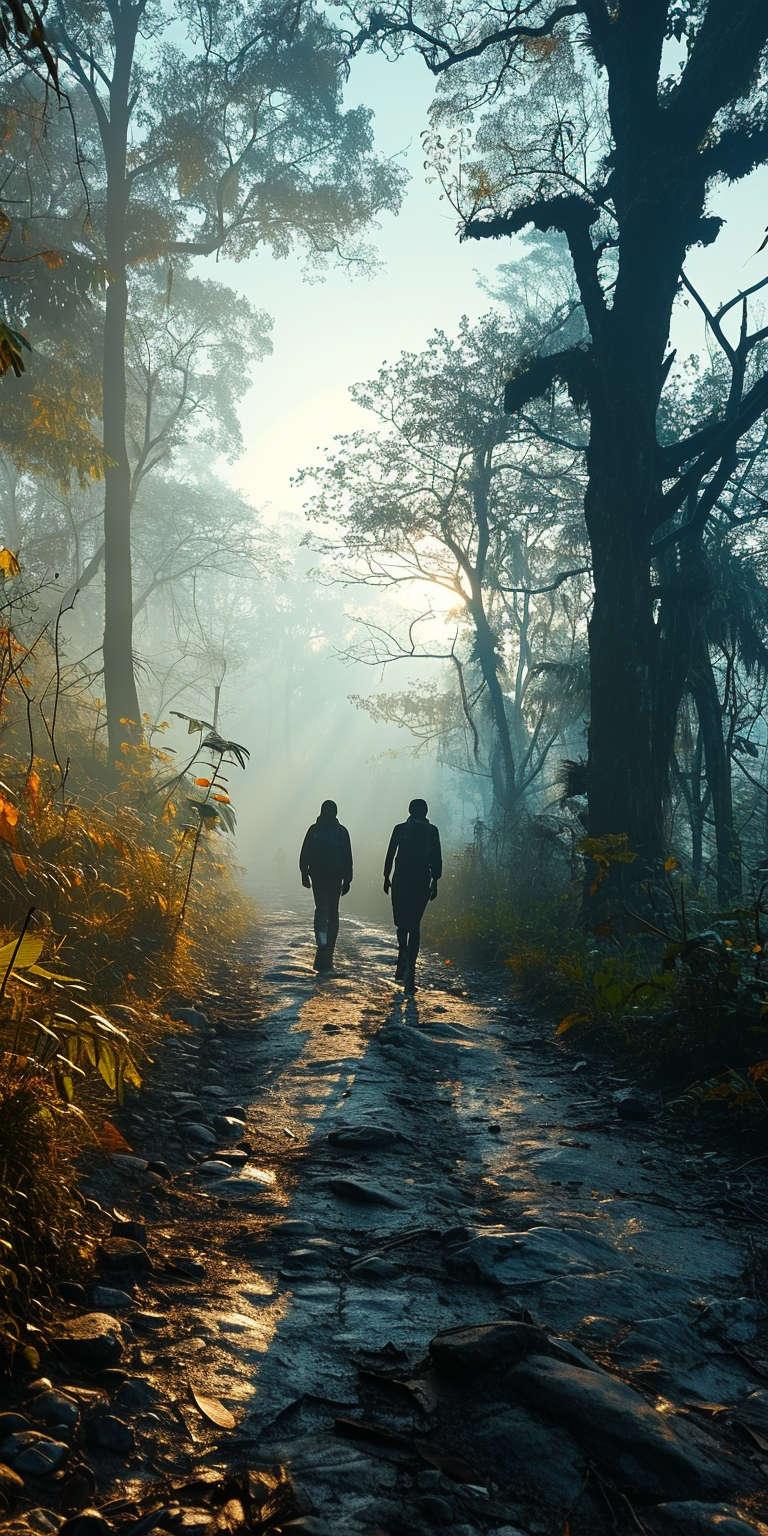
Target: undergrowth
(679,988)
(115,891)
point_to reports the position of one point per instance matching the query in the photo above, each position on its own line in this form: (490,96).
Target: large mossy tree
(613,123)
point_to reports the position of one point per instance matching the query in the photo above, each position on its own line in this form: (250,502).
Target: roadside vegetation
(674,985)
(115,885)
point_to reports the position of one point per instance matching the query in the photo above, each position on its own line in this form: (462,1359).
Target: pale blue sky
(331,334)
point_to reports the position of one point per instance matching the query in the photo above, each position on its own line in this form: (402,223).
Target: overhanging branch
(571,368)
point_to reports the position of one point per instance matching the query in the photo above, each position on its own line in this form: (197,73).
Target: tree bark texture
(703,684)
(123,712)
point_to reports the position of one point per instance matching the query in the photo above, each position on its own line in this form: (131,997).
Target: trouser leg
(322,914)
(414,943)
(402,953)
(327,894)
(408,908)
(334,896)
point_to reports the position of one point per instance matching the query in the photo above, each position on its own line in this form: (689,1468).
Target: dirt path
(407,1170)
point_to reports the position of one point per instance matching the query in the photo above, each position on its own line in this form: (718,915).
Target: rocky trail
(373,1268)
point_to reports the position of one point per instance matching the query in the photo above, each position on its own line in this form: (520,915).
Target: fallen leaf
(760,1440)
(569,1021)
(212,1409)
(111,1139)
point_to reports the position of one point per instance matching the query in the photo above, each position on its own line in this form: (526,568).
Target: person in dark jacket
(414,849)
(325,862)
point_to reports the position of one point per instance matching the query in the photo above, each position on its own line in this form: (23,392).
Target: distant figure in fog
(414,848)
(325,862)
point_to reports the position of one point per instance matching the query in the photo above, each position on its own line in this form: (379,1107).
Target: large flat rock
(642,1449)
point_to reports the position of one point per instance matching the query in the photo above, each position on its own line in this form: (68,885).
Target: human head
(329,810)
(418,810)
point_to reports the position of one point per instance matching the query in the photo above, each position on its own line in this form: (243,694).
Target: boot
(323,959)
(401,970)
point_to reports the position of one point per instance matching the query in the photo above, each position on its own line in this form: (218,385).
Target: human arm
(435,862)
(304,858)
(346,860)
(390,858)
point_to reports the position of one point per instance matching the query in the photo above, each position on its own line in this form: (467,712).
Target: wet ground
(422,1270)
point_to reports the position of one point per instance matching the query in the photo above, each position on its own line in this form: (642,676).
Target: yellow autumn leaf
(29,952)
(569,1021)
(52,259)
(9,563)
(9,815)
(670,864)
(19,864)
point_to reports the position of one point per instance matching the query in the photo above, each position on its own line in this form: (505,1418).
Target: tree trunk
(683,587)
(718,767)
(623,793)
(504,782)
(123,713)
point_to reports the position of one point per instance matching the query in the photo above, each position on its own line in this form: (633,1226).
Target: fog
(260,468)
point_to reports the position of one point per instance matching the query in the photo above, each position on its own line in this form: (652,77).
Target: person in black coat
(414,849)
(325,862)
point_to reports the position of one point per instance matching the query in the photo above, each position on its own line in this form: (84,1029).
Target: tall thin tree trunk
(704,689)
(504,784)
(123,713)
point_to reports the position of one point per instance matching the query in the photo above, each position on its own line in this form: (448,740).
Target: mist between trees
(542,555)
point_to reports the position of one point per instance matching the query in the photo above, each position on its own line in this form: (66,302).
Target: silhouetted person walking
(414,848)
(325,862)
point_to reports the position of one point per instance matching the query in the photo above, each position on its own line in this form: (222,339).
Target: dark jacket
(414,847)
(326,852)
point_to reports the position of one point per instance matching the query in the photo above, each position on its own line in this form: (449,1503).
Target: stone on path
(55,1408)
(692,1518)
(106,1296)
(89,1522)
(200,1134)
(30,1452)
(228,1127)
(12,1424)
(540,1253)
(123,1255)
(363,1193)
(618,1427)
(361,1136)
(93,1340)
(191,1016)
(109,1433)
(374,1268)
(467,1353)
